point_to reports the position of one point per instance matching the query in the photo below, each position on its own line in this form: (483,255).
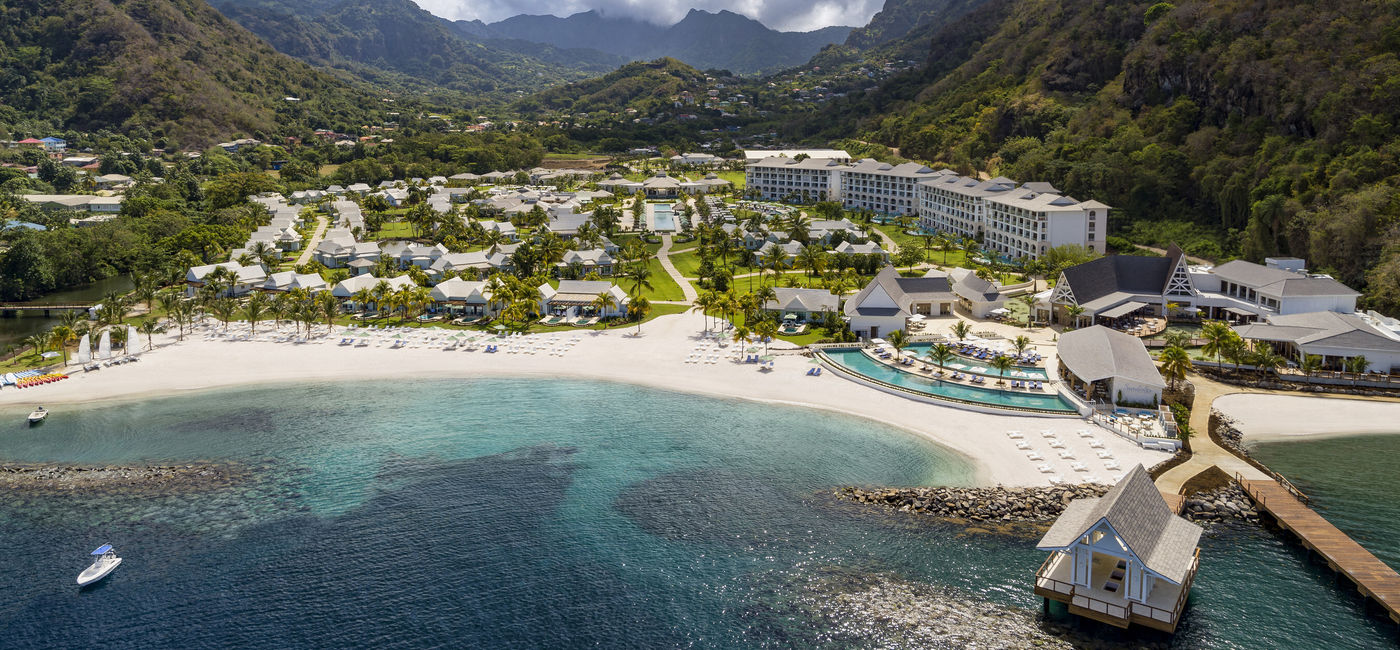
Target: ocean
(541,514)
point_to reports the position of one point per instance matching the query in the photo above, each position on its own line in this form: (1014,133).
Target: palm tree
(813,259)
(1002,363)
(961,329)
(39,343)
(1029,302)
(255,309)
(941,354)
(1021,343)
(706,301)
(1217,336)
(897,339)
(1074,312)
(1311,364)
(329,307)
(944,244)
(740,337)
(766,329)
(1357,365)
(1175,364)
(603,302)
(59,337)
(1266,359)
(224,309)
(1235,350)
(640,275)
(638,308)
(266,254)
(149,327)
(167,299)
(146,285)
(280,309)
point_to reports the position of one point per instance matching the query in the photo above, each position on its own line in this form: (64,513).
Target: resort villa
(245,278)
(1121,559)
(288,280)
(889,301)
(464,298)
(1106,366)
(575,298)
(976,296)
(802,305)
(345,289)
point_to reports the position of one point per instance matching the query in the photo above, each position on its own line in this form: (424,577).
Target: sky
(783,15)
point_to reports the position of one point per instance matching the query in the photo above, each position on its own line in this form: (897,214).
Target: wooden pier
(4,306)
(1372,577)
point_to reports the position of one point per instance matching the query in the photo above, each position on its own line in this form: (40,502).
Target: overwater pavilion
(1121,559)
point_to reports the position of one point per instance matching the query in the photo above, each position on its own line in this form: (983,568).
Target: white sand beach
(1294,417)
(656,358)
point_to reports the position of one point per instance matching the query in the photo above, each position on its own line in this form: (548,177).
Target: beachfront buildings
(976,296)
(1333,337)
(464,298)
(889,301)
(802,304)
(1123,558)
(574,298)
(1106,366)
(1238,291)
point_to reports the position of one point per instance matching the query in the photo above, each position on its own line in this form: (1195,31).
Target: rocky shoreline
(1038,504)
(51,478)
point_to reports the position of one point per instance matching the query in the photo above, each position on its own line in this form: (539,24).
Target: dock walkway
(1372,577)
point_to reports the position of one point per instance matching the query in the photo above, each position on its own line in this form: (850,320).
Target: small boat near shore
(38,415)
(106,561)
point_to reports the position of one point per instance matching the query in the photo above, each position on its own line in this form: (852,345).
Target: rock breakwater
(977,504)
(1220,504)
(83,478)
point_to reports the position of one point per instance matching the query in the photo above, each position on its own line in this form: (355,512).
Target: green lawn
(677,246)
(737,178)
(687,262)
(394,230)
(663,286)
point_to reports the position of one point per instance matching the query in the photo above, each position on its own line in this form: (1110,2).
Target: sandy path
(1290,417)
(656,358)
(311,244)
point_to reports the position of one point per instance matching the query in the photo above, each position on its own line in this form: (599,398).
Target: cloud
(785,15)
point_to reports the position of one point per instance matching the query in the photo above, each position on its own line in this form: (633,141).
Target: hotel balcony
(1107,603)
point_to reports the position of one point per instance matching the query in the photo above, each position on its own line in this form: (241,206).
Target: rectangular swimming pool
(662,219)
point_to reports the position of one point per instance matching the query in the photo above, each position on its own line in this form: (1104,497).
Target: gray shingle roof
(1133,274)
(1162,541)
(904,291)
(1097,352)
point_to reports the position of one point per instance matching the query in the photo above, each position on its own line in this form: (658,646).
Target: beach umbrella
(754,349)
(766,357)
(499,327)
(814,361)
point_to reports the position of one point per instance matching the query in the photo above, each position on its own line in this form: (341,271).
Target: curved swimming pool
(855,361)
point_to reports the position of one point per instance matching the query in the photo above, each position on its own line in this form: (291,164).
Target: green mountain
(396,42)
(1237,127)
(644,86)
(722,40)
(175,69)
(900,18)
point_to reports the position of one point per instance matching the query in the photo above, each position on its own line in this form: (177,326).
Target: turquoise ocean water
(528,513)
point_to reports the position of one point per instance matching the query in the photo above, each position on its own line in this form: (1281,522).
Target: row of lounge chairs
(1030,385)
(987,354)
(815,371)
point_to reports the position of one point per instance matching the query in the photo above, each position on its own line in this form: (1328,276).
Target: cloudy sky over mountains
(784,15)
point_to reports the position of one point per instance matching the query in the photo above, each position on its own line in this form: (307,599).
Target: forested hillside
(174,69)
(1238,127)
(642,85)
(396,42)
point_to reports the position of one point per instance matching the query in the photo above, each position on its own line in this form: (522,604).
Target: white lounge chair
(1046,433)
(1067,454)
(1104,453)
(1094,443)
(1085,433)
(1023,445)
(1034,456)
(1056,443)
(1014,434)
(1078,467)
(1056,480)
(1046,469)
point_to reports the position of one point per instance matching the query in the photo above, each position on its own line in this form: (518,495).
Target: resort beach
(1271,418)
(656,358)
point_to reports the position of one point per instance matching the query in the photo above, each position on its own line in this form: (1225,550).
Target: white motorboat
(37,415)
(106,561)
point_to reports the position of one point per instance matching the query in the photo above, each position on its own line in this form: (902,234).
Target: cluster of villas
(1278,303)
(454,297)
(1013,220)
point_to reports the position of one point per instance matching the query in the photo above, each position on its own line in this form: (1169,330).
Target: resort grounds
(661,356)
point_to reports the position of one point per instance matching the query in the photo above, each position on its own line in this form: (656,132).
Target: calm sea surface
(549,514)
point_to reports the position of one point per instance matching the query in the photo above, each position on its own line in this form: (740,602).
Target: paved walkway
(1204,452)
(315,240)
(664,256)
